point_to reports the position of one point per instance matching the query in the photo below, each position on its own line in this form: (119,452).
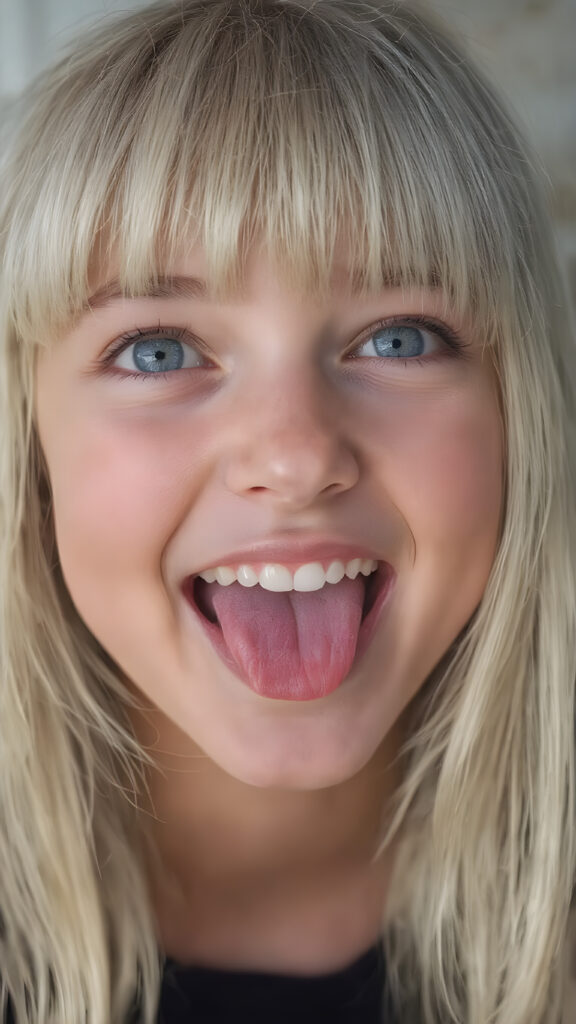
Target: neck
(218,840)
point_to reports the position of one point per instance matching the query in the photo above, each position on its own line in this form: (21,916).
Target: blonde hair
(299,123)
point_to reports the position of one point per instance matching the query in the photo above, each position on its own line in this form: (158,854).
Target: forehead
(188,278)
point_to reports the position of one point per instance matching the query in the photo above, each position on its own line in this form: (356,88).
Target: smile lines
(278,578)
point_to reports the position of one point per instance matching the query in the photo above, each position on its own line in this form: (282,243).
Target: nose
(292,449)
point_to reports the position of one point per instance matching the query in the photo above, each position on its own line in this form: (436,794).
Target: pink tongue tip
(290,646)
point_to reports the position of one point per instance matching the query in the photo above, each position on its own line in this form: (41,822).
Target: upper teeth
(311,576)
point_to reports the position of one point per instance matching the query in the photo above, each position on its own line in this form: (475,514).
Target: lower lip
(365,634)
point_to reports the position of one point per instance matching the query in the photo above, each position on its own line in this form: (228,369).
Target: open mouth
(202,593)
(289,643)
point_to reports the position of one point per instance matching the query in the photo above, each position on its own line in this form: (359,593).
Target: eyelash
(451,339)
(454,342)
(141,334)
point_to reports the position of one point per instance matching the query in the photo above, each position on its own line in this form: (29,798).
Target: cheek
(445,471)
(459,490)
(120,491)
(442,467)
(456,523)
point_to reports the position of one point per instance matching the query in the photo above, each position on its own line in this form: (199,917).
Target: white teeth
(246,576)
(209,575)
(353,568)
(309,577)
(335,572)
(275,577)
(225,575)
(279,579)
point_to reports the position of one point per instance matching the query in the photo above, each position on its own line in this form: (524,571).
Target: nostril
(293,467)
(335,488)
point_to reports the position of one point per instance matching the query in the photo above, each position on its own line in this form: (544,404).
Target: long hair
(297,123)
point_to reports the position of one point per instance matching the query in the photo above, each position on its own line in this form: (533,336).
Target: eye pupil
(400,340)
(149,357)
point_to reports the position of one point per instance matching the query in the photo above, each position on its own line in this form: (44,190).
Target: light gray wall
(528,48)
(32,31)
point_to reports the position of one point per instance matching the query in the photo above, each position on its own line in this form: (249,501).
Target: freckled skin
(282,433)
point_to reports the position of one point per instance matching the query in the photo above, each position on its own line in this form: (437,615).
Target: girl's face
(283,439)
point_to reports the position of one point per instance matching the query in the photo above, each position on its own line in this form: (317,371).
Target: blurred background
(527,47)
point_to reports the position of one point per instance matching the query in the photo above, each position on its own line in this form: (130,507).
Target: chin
(294,764)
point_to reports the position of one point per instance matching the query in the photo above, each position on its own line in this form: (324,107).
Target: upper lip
(295,551)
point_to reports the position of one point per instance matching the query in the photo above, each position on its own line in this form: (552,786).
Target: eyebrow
(162,287)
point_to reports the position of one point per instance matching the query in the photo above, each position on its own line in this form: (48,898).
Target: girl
(287,542)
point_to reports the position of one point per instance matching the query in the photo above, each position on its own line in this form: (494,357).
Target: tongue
(291,646)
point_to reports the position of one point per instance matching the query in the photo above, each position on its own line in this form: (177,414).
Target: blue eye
(398,341)
(157,354)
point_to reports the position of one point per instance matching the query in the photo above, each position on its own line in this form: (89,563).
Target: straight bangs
(264,123)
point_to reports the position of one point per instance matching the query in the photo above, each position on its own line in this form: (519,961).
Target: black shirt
(201,995)
(354,995)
